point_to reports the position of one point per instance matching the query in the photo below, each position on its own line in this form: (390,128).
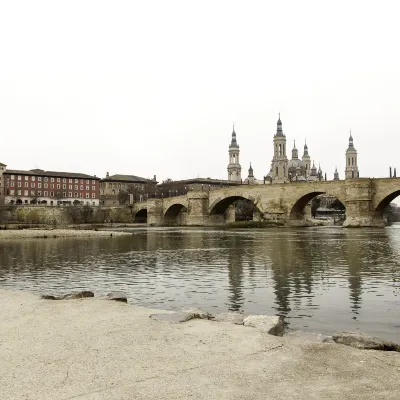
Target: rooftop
(41,172)
(127,178)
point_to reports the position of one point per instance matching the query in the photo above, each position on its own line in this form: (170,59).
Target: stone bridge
(364,199)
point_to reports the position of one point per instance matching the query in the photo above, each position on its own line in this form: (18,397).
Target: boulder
(117,296)
(197,313)
(265,323)
(231,317)
(362,341)
(182,316)
(71,296)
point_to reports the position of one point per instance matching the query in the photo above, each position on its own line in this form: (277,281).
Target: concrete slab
(94,349)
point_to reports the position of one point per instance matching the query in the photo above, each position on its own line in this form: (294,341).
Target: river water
(320,279)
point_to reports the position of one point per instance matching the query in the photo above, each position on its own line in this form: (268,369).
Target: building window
(18,192)
(39,193)
(82,181)
(87,188)
(76,187)
(81,195)
(87,196)
(81,187)
(70,194)
(51,194)
(26,184)
(33,184)
(51,179)
(19,177)
(93,195)
(93,188)
(58,186)
(65,180)
(87,181)
(12,192)
(70,187)
(39,178)
(39,185)
(52,185)
(26,177)
(70,180)
(58,180)
(12,183)
(12,177)
(46,179)
(76,180)
(46,185)
(64,194)
(32,178)
(26,193)
(93,182)
(64,186)
(46,193)
(19,184)
(33,193)
(76,194)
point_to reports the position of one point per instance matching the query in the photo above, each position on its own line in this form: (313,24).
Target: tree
(87,214)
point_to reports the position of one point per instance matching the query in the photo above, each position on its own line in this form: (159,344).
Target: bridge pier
(197,209)
(359,207)
(230,214)
(155,215)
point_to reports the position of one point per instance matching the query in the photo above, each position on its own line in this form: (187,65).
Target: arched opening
(175,215)
(319,206)
(234,208)
(389,209)
(141,217)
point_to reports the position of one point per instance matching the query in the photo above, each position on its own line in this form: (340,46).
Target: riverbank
(97,349)
(57,233)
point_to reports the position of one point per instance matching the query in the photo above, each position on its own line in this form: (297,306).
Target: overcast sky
(153,87)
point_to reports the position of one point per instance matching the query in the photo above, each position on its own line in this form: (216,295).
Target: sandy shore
(97,349)
(51,233)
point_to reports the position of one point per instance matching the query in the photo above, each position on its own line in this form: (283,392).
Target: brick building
(51,188)
(125,189)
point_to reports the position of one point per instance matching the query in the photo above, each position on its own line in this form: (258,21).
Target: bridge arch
(175,214)
(386,200)
(141,216)
(219,208)
(297,209)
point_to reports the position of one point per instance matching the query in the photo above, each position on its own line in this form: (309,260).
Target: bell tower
(280,160)
(234,168)
(351,170)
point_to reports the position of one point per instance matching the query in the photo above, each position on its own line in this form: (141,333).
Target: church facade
(282,169)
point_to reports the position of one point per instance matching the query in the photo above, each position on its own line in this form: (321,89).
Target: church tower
(234,168)
(336,175)
(279,161)
(306,159)
(351,170)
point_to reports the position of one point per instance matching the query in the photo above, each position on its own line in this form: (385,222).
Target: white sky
(153,87)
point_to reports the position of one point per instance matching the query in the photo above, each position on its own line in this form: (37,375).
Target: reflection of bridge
(364,199)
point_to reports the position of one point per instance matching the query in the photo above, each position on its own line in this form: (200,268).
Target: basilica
(282,169)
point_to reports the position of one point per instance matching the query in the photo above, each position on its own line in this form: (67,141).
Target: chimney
(154,179)
(107,175)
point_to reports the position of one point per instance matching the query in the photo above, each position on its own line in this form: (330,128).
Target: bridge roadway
(364,199)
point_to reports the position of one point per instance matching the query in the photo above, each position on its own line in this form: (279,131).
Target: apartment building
(51,188)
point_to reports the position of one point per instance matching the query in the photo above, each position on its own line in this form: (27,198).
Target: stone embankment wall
(65,215)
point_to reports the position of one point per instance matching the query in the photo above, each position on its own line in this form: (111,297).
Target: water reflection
(319,279)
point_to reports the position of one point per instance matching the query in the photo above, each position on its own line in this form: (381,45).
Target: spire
(251,171)
(295,153)
(336,175)
(279,131)
(234,142)
(305,154)
(351,144)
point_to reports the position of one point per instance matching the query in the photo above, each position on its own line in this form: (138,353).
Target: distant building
(2,185)
(125,189)
(176,188)
(51,188)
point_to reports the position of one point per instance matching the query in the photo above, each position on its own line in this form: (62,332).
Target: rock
(231,317)
(71,296)
(265,323)
(362,341)
(328,339)
(173,318)
(117,296)
(182,316)
(197,313)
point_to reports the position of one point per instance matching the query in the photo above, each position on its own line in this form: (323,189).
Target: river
(320,279)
